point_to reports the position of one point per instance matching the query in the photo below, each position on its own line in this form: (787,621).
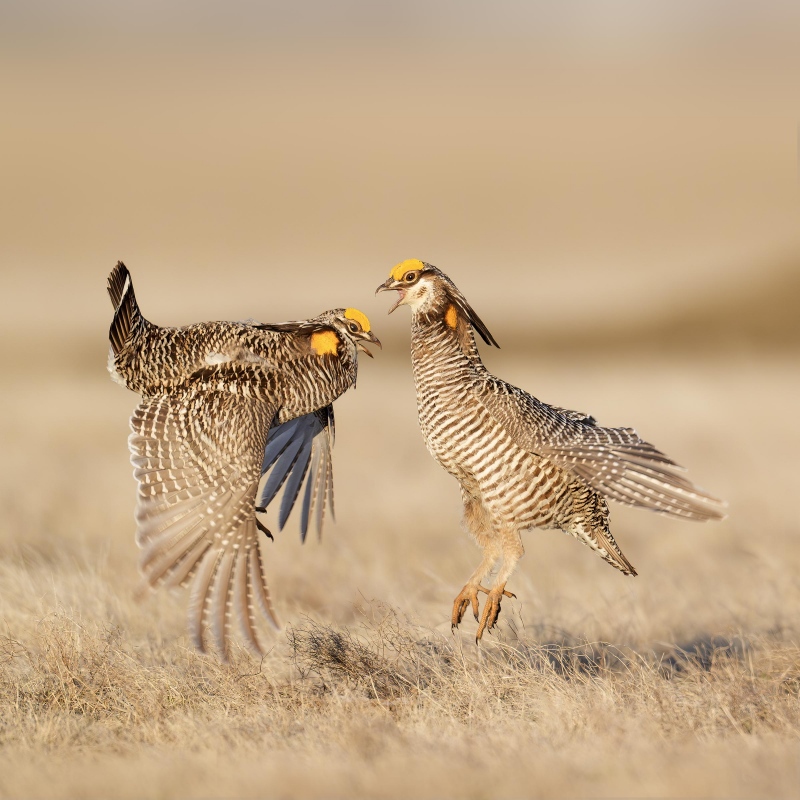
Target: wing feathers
(613,461)
(245,610)
(200,597)
(652,484)
(295,480)
(220,606)
(258,586)
(158,559)
(300,450)
(198,477)
(284,464)
(182,571)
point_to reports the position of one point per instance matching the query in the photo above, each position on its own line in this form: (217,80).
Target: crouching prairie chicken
(223,404)
(521,463)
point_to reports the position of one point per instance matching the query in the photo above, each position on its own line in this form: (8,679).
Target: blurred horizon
(594,21)
(589,174)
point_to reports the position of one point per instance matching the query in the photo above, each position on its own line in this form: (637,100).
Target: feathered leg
(479,524)
(469,594)
(513,550)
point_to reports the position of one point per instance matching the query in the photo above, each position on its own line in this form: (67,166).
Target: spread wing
(300,450)
(613,461)
(197,456)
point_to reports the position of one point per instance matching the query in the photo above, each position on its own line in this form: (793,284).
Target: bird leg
(468,596)
(512,552)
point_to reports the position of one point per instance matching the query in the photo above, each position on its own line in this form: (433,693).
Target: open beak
(373,339)
(391,284)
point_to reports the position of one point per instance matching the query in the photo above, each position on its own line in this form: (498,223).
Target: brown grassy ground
(683,681)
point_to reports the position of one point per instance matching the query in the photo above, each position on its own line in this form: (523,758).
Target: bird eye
(410,277)
(353,327)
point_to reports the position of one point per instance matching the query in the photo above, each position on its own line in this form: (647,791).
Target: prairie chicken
(223,403)
(521,463)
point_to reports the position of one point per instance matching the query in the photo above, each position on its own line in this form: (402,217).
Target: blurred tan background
(614,186)
(601,167)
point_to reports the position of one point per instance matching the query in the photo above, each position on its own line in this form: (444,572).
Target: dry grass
(352,704)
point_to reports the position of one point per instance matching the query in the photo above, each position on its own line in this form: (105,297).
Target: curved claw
(263,528)
(491,610)
(466,597)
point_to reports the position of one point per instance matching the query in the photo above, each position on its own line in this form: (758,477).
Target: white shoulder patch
(112,369)
(217,358)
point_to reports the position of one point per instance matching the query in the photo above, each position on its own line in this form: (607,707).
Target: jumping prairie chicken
(223,403)
(521,463)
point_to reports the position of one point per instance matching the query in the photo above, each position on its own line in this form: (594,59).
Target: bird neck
(443,335)
(321,378)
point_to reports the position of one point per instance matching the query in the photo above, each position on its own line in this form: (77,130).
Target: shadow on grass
(702,653)
(387,655)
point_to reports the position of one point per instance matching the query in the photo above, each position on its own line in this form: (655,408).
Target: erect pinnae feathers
(478,324)
(466,309)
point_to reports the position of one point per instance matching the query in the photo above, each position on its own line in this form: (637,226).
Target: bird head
(429,292)
(417,284)
(326,332)
(353,325)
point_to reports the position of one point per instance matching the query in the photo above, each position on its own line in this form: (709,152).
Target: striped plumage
(223,404)
(522,463)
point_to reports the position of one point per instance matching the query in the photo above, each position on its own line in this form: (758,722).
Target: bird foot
(491,610)
(263,528)
(467,597)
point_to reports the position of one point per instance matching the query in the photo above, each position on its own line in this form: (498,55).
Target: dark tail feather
(116,283)
(126,310)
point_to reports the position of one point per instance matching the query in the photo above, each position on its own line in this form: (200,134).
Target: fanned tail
(126,310)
